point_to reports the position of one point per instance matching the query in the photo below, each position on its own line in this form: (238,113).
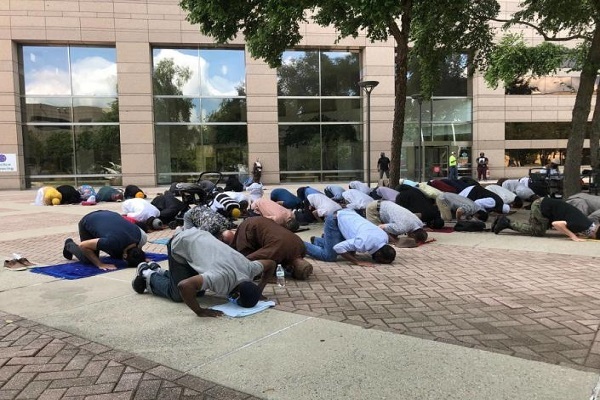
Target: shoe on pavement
(154,266)
(66,253)
(302,270)
(495,222)
(14,265)
(139,282)
(501,224)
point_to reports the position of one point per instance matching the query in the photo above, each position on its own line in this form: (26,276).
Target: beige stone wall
(133,27)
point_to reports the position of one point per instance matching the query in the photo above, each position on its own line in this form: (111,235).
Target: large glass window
(319,108)
(199,112)
(540,130)
(70,114)
(539,157)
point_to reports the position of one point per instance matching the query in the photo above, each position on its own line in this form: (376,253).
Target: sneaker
(302,270)
(155,267)
(501,224)
(495,223)
(66,253)
(139,282)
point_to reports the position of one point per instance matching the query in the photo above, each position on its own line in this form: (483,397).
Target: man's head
(247,294)
(481,215)
(437,223)
(227,236)
(481,154)
(382,154)
(517,203)
(134,256)
(385,255)
(419,235)
(292,224)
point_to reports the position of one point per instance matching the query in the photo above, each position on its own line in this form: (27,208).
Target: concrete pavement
(469,316)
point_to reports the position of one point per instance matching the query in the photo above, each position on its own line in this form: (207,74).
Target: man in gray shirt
(463,207)
(199,262)
(396,220)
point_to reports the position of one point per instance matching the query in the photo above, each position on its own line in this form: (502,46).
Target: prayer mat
(235,311)
(78,270)
(446,229)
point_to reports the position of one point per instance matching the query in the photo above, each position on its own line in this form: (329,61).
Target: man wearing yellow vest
(452,171)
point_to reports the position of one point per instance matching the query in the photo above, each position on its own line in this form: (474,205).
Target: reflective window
(199,111)
(551,85)
(540,130)
(319,109)
(539,157)
(71,113)
(48,150)
(453,79)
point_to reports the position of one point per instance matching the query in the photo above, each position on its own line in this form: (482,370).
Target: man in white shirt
(345,233)
(321,205)
(363,187)
(356,200)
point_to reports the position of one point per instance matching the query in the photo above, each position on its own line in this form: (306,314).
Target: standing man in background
(482,166)
(452,164)
(383,166)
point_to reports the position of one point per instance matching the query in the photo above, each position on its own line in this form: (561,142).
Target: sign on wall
(8,162)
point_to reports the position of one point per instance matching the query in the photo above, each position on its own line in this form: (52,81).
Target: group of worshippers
(211,252)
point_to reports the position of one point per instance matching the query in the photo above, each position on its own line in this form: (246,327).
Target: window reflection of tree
(168,80)
(312,146)
(101,141)
(230,141)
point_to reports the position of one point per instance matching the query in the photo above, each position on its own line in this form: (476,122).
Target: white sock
(147,272)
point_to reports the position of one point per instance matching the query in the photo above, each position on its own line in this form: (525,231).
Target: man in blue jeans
(346,233)
(198,262)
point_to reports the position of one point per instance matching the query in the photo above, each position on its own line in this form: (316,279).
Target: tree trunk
(581,112)
(400,79)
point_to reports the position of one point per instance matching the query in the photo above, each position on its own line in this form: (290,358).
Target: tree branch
(541,31)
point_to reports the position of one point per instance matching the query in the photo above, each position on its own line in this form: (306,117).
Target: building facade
(127,92)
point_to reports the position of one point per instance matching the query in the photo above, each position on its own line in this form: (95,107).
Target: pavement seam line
(277,332)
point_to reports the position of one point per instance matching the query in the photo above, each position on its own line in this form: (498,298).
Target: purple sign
(2,158)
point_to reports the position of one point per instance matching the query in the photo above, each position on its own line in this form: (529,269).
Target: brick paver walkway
(39,362)
(532,305)
(538,306)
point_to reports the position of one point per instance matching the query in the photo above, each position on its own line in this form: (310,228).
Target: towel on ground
(160,241)
(78,270)
(235,311)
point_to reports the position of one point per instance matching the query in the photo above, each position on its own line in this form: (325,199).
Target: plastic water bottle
(280,276)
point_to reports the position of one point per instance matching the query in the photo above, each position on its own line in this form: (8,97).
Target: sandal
(14,265)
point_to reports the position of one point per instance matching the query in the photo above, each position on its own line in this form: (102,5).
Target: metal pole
(369,138)
(422,140)
(368,87)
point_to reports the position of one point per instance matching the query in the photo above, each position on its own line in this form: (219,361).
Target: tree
(436,28)
(563,21)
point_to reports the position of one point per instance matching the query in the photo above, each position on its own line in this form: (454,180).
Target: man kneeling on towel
(198,262)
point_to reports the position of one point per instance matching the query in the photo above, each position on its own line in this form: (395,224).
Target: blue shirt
(311,190)
(361,235)
(336,192)
(289,199)
(114,232)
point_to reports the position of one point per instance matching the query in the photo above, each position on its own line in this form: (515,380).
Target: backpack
(469,226)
